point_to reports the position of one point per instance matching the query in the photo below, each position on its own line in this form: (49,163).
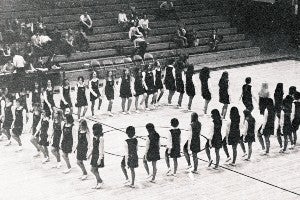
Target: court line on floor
(231,170)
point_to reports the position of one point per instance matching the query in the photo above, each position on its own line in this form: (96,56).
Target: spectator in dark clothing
(56,40)
(86,24)
(180,36)
(167,11)
(214,40)
(192,39)
(28,55)
(81,43)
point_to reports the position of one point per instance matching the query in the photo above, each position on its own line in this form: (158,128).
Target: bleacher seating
(107,34)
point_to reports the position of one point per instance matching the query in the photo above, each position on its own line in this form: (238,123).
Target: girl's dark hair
(80,77)
(248,80)
(204,74)
(234,115)
(270,104)
(194,117)
(279,89)
(150,127)
(64,83)
(174,122)
(83,124)
(39,86)
(9,97)
(69,119)
(215,114)
(18,100)
(292,90)
(170,61)
(91,75)
(297,96)
(130,131)
(107,73)
(224,79)
(97,129)
(190,69)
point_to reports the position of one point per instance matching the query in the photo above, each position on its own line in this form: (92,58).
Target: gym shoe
(128,112)
(124,113)
(232,164)
(149,176)
(66,171)
(126,182)
(84,177)
(58,165)
(210,162)
(8,143)
(292,147)
(245,154)
(99,186)
(38,154)
(110,114)
(1,137)
(148,109)
(137,111)
(228,159)
(45,160)
(189,167)
(20,148)
(168,172)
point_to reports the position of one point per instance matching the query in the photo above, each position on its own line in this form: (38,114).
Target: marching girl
(56,136)
(126,87)
(97,153)
(81,100)
(296,116)
(189,86)
(223,93)
(48,99)
(35,94)
(65,94)
(173,146)
(82,148)
(130,158)
(286,125)
(68,133)
(193,143)
(36,117)
(247,95)
(267,128)
(8,118)
(109,90)
(22,96)
(204,79)
(94,91)
(139,88)
(263,98)
(152,151)
(149,81)
(233,132)
(179,74)
(2,112)
(18,123)
(42,135)
(169,79)
(249,135)
(215,137)
(158,81)
(278,99)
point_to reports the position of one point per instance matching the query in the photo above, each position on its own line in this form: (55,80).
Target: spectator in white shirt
(135,35)
(144,25)
(123,21)
(86,23)
(19,63)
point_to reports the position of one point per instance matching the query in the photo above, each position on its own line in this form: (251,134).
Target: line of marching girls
(54,126)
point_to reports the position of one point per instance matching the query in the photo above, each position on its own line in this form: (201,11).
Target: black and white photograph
(149,99)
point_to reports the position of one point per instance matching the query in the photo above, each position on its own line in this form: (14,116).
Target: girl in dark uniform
(233,132)
(82,146)
(65,92)
(81,100)
(249,125)
(267,128)
(36,94)
(139,88)
(109,89)
(18,124)
(286,125)
(94,91)
(278,99)
(189,86)
(223,93)
(158,81)
(97,153)
(48,99)
(193,142)
(56,136)
(179,74)
(173,146)
(130,158)
(152,151)
(67,140)
(8,118)
(23,99)
(204,78)
(263,97)
(126,90)
(296,116)
(36,117)
(215,138)
(169,79)
(42,134)
(247,95)
(149,81)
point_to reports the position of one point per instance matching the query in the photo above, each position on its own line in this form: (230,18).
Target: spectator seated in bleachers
(86,24)
(133,16)
(39,25)
(8,67)
(81,42)
(144,25)
(19,62)
(180,36)
(123,21)
(214,40)
(135,35)
(192,39)
(167,11)
(67,45)
(29,55)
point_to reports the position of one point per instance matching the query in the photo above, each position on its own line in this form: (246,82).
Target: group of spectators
(34,45)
